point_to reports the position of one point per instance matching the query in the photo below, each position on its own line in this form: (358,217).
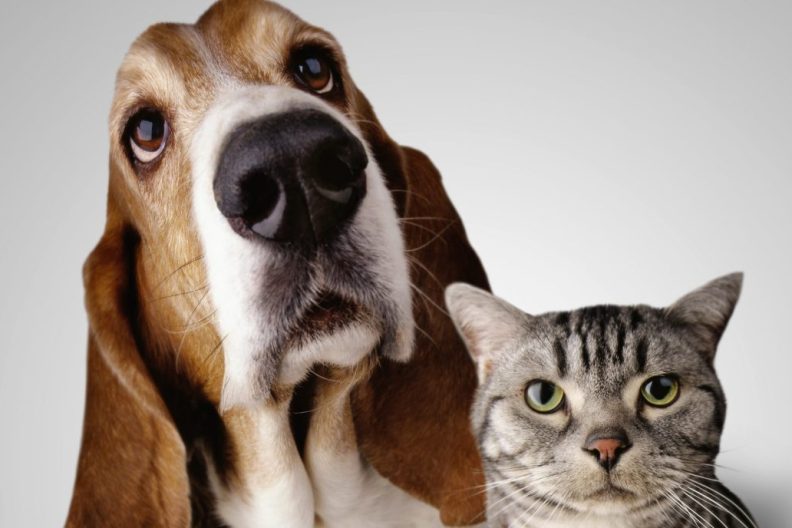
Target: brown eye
(314,71)
(147,132)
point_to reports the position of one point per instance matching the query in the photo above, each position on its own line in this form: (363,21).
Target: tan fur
(154,353)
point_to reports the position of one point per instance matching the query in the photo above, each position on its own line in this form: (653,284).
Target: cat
(606,416)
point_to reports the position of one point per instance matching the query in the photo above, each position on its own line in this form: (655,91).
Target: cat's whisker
(679,506)
(691,496)
(538,507)
(497,483)
(674,504)
(528,484)
(559,501)
(695,517)
(675,471)
(700,484)
(663,497)
(710,464)
(714,502)
(702,477)
(523,473)
(705,488)
(483,488)
(545,498)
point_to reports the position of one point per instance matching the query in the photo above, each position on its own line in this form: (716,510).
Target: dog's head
(256,176)
(260,220)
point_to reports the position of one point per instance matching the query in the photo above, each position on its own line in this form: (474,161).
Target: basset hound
(267,343)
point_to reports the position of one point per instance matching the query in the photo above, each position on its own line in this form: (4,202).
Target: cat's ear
(485,322)
(707,310)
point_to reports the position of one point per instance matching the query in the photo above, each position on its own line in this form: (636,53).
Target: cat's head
(605,409)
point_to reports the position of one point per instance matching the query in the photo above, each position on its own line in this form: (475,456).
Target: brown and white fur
(220,390)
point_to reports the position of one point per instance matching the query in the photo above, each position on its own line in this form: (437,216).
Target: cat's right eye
(660,391)
(544,396)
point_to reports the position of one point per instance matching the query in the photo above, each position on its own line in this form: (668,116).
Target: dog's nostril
(265,203)
(339,165)
(334,177)
(337,179)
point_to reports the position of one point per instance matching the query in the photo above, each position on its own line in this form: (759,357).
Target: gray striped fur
(538,474)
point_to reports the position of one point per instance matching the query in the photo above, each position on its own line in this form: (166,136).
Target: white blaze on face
(250,317)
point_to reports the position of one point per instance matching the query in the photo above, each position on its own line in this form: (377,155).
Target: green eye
(543,396)
(660,391)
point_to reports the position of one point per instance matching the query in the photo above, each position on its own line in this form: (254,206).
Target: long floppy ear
(412,419)
(707,310)
(132,469)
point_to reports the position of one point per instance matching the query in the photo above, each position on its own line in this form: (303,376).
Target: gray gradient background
(598,152)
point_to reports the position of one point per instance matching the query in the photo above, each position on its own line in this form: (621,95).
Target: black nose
(293,177)
(607,447)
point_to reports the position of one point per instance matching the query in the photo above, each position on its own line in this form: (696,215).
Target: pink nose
(607,448)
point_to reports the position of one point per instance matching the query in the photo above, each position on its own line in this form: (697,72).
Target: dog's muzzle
(295,177)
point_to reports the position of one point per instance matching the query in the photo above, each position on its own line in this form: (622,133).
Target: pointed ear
(485,322)
(707,310)
(132,465)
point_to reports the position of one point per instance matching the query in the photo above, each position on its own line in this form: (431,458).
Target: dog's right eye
(314,70)
(147,134)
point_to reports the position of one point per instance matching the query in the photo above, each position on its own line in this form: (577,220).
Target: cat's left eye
(544,396)
(660,391)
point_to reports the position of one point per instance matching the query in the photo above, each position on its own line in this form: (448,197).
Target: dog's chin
(328,314)
(332,330)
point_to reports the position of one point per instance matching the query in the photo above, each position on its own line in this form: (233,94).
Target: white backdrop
(612,151)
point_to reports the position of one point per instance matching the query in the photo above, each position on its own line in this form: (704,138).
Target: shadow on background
(766,498)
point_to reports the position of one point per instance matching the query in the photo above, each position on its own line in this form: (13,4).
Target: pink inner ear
(486,366)
(473,342)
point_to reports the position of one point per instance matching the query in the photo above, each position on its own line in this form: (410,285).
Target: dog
(267,344)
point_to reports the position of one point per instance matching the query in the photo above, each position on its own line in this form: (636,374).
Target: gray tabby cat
(608,416)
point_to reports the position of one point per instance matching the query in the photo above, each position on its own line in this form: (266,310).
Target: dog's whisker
(414,261)
(187,323)
(177,270)
(429,300)
(411,192)
(421,227)
(214,350)
(425,219)
(179,294)
(436,237)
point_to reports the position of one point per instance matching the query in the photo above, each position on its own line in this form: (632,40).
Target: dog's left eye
(147,133)
(314,72)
